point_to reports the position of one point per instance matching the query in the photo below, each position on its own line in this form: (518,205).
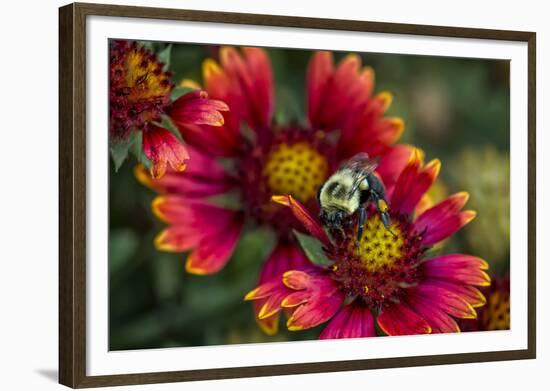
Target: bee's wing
(362,163)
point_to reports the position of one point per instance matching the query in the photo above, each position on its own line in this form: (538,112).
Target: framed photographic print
(250,195)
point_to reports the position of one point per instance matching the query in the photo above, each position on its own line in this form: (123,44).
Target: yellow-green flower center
(378,248)
(297,169)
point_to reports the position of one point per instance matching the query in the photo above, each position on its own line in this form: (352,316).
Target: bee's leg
(382,207)
(361,225)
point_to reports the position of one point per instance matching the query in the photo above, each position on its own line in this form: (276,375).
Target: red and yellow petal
(468,293)
(285,256)
(203,177)
(317,310)
(458,268)
(319,71)
(196,108)
(338,96)
(445,299)
(438,320)
(413,182)
(297,279)
(352,321)
(295,299)
(213,252)
(444,219)
(304,217)
(210,231)
(269,325)
(244,81)
(400,319)
(393,162)
(162,148)
(259,66)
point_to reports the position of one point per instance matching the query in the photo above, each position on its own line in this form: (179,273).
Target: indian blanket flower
(496,314)
(391,282)
(139,95)
(262,158)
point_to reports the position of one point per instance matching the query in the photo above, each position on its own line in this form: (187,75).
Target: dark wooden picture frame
(72,189)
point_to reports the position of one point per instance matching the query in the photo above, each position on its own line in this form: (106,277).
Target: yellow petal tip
(387,98)
(189,268)
(281,199)
(210,68)
(251,295)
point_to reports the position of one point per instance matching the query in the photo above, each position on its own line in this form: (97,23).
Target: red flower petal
(295,299)
(213,140)
(319,302)
(438,320)
(319,71)
(203,177)
(468,293)
(286,256)
(178,239)
(318,309)
(305,218)
(195,108)
(412,183)
(444,219)
(318,299)
(213,252)
(392,163)
(400,319)
(444,299)
(210,230)
(345,94)
(245,84)
(162,148)
(264,290)
(352,321)
(269,325)
(458,268)
(259,67)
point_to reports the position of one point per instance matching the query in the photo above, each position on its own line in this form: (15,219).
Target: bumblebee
(349,189)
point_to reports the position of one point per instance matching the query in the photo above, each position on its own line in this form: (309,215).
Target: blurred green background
(454,109)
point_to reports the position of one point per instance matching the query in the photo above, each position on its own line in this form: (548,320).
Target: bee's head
(332,218)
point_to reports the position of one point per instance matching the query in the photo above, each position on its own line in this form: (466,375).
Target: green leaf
(120,149)
(168,274)
(313,249)
(147,45)
(289,108)
(137,150)
(166,123)
(165,55)
(123,244)
(179,92)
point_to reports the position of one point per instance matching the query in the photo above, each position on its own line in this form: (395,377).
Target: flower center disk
(383,264)
(297,169)
(145,76)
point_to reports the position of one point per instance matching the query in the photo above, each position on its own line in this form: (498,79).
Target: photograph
(269,194)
